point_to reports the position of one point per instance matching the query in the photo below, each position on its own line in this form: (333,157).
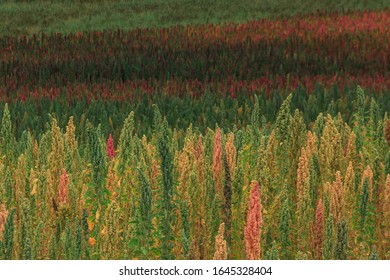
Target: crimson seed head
(110,147)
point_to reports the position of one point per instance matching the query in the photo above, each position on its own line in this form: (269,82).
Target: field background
(29,17)
(194,130)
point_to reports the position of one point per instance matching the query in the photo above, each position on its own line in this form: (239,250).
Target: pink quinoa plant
(254,223)
(110,147)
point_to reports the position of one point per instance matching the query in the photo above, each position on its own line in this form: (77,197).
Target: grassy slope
(71,16)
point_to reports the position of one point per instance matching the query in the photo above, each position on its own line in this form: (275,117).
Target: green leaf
(155,252)
(134,243)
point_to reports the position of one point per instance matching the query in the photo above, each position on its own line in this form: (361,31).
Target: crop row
(266,190)
(336,45)
(109,105)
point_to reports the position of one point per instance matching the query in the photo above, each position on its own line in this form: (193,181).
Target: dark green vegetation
(29,17)
(204,112)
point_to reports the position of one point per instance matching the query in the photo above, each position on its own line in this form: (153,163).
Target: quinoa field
(260,139)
